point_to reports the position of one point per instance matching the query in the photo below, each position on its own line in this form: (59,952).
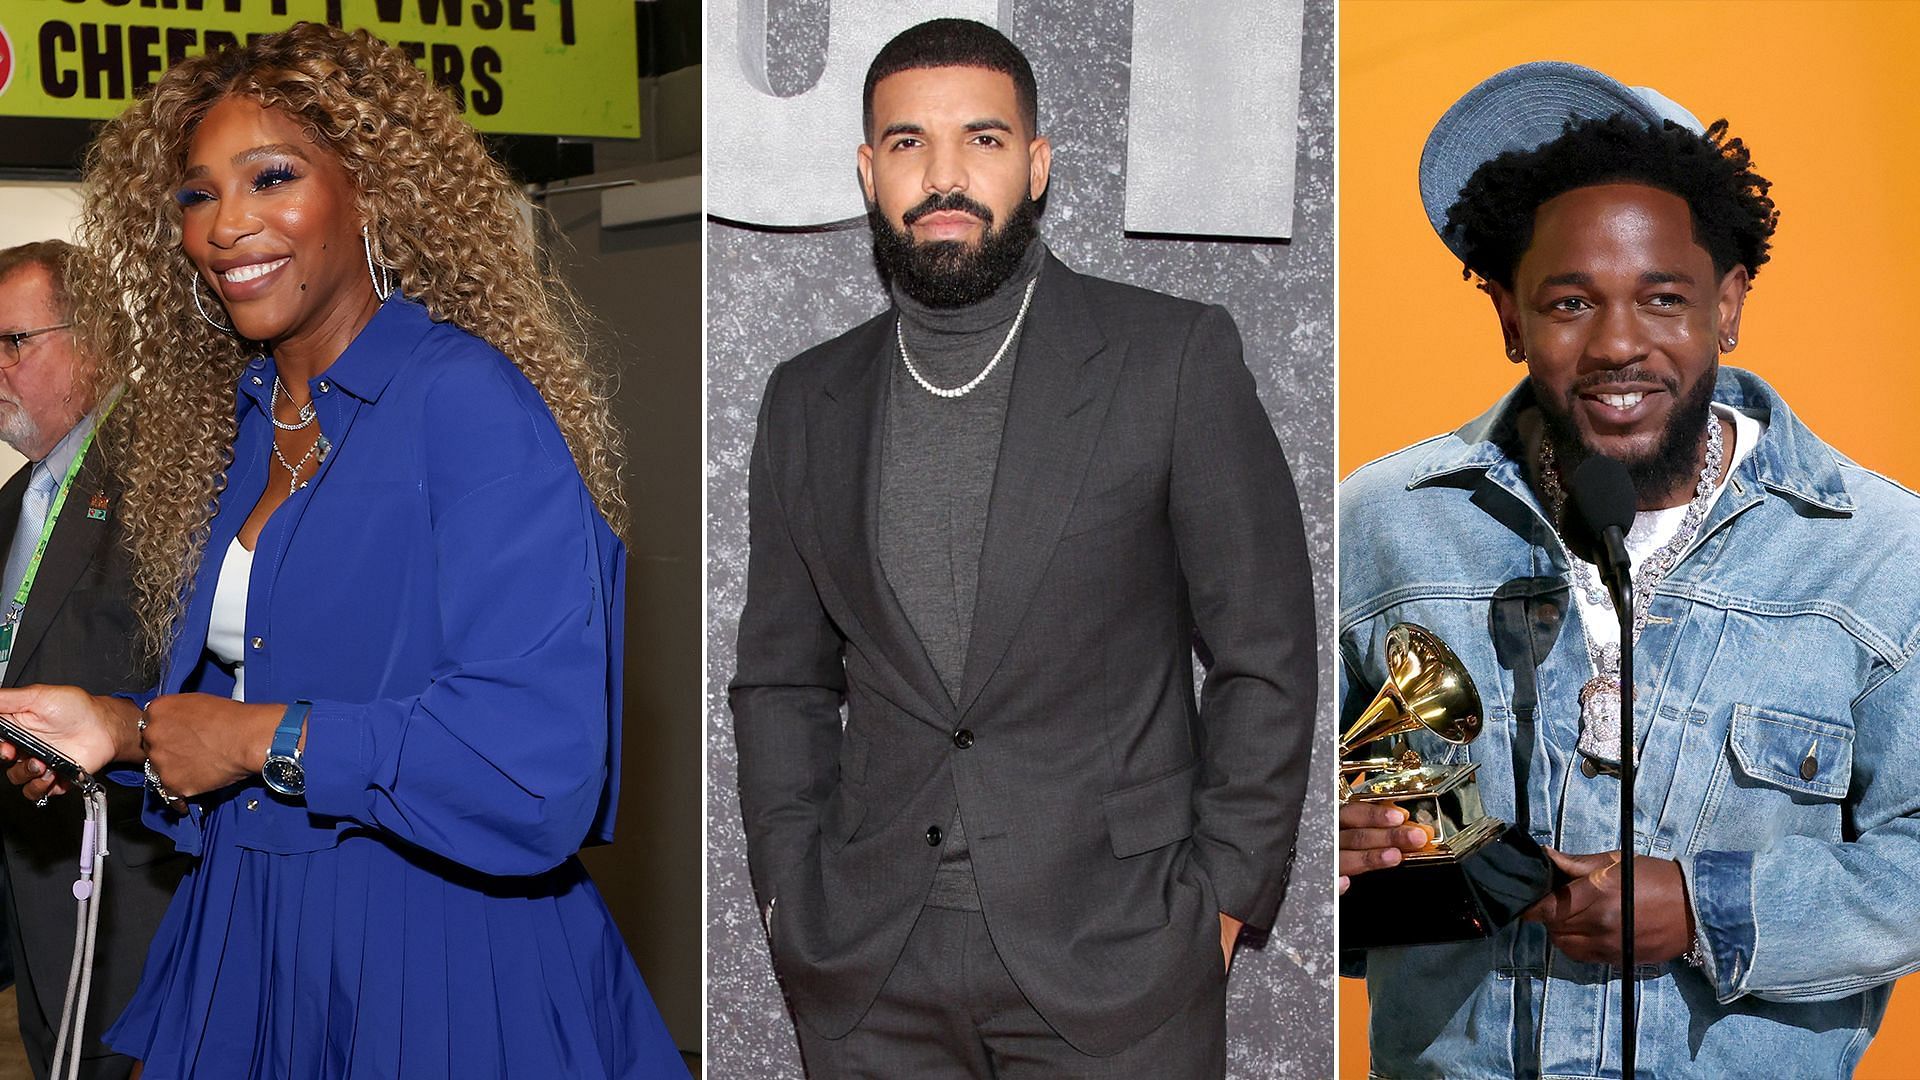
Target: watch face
(285,776)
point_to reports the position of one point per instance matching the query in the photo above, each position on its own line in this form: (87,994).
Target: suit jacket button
(933,836)
(963,738)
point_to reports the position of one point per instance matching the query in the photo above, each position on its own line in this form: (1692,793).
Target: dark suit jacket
(1141,508)
(78,630)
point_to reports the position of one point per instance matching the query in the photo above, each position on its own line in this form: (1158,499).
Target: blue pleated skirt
(363,960)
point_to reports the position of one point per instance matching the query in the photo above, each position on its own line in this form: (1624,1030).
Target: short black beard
(1674,465)
(951,273)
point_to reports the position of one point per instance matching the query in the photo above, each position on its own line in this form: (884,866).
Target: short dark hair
(1733,218)
(53,256)
(954,43)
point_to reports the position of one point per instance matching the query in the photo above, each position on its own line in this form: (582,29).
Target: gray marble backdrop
(771,294)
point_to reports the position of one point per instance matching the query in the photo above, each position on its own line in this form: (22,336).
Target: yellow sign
(530,67)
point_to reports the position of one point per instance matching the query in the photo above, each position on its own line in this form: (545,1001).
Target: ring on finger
(153,781)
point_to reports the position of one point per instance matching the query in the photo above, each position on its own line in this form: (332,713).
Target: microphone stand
(1603,491)
(1620,584)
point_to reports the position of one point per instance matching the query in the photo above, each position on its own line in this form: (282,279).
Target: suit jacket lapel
(11,496)
(1062,380)
(845,428)
(77,537)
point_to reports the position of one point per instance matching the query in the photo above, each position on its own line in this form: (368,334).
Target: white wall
(35,210)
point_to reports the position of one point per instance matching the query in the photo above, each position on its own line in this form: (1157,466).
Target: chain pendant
(1600,696)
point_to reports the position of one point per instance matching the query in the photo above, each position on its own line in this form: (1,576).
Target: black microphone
(1603,493)
(1604,497)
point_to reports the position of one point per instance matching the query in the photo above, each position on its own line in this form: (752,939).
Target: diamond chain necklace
(306,411)
(900,331)
(307,416)
(1600,697)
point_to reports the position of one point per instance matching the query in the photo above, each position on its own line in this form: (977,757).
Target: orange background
(1826,94)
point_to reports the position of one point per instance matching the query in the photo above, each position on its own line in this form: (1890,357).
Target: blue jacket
(444,592)
(1778,713)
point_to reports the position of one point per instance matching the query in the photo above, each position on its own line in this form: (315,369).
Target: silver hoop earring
(193,285)
(380,273)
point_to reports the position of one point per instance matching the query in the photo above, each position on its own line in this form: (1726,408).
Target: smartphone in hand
(30,745)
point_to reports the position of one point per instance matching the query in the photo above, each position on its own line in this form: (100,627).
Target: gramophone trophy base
(1444,896)
(1478,875)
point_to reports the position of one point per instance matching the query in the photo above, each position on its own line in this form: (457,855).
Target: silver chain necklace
(1600,697)
(306,411)
(307,416)
(294,483)
(900,332)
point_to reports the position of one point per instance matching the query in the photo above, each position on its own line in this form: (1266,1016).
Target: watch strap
(286,737)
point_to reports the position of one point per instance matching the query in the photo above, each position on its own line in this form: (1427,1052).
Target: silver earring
(193,285)
(379,272)
(1515,354)
(1731,341)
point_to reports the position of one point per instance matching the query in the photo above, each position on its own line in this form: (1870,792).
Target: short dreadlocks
(1733,218)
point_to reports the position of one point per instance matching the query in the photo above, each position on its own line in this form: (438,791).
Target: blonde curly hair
(444,217)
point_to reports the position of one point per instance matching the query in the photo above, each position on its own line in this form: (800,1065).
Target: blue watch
(283,772)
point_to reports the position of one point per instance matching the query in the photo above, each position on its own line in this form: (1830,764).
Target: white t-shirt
(1653,528)
(227,628)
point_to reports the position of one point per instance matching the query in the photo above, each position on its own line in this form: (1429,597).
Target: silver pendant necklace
(900,332)
(307,416)
(306,411)
(1600,697)
(294,483)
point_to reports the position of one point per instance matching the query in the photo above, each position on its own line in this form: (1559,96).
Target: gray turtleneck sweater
(936,476)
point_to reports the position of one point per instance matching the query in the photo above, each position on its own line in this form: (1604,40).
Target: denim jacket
(1778,718)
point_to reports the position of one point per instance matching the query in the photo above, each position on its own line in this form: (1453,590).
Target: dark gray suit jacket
(1141,509)
(78,630)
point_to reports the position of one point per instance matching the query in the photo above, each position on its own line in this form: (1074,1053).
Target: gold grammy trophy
(1477,873)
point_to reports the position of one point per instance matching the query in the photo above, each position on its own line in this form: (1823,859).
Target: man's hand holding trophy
(1421,861)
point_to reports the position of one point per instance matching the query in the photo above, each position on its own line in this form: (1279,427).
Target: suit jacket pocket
(841,818)
(1150,815)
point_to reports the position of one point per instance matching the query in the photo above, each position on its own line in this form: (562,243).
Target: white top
(1653,528)
(227,629)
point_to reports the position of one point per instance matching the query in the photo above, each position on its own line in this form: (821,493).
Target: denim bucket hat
(1522,108)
